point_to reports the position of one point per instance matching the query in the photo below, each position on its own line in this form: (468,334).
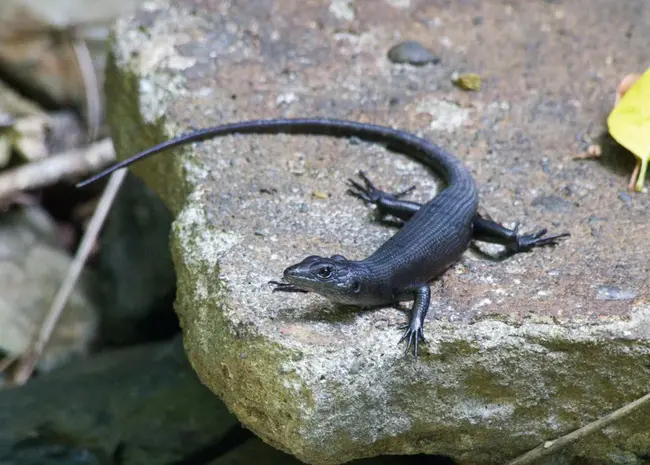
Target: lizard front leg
(415,328)
(387,203)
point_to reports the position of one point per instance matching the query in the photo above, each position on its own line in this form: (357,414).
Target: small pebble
(625,198)
(614,293)
(413,53)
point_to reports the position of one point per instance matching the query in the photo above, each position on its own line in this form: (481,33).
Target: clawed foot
(526,242)
(285,287)
(369,193)
(414,333)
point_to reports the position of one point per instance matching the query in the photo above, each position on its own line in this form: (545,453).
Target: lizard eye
(355,286)
(325,272)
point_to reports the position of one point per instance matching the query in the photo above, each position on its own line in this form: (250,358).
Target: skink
(431,238)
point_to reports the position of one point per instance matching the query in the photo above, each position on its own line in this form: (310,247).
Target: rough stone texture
(519,351)
(135,406)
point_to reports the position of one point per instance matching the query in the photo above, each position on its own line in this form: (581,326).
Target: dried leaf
(629,124)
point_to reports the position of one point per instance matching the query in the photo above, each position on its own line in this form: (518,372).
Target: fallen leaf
(468,81)
(629,125)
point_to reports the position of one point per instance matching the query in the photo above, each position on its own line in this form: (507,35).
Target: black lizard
(434,235)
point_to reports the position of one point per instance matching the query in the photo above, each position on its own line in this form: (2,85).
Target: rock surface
(136,281)
(32,267)
(519,351)
(141,405)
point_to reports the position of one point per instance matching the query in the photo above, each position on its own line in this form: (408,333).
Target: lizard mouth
(291,283)
(285,287)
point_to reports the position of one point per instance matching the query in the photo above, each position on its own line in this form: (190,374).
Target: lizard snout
(294,271)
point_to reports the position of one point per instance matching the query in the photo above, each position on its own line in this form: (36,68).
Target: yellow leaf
(468,81)
(629,124)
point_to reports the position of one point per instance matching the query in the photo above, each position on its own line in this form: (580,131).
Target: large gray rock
(519,351)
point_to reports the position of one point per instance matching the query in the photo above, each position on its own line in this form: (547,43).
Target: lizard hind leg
(490,231)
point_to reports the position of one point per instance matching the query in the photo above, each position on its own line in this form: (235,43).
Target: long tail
(448,166)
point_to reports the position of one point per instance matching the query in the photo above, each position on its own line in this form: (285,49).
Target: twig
(91,86)
(551,446)
(49,170)
(28,361)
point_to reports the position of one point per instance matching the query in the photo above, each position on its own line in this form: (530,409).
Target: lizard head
(335,278)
